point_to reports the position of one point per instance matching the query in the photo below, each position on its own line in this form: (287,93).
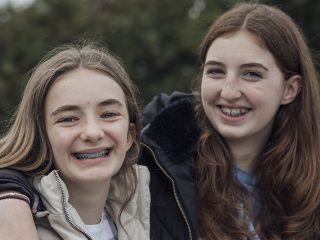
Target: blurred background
(157,40)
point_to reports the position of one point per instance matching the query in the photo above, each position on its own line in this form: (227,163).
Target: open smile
(234,111)
(92,155)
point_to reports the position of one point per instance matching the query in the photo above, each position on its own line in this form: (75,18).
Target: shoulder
(162,102)
(135,217)
(169,116)
(142,193)
(173,130)
(45,231)
(142,173)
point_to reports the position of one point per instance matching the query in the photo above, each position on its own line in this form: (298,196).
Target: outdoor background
(157,40)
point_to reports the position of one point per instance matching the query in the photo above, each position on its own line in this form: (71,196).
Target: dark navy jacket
(169,151)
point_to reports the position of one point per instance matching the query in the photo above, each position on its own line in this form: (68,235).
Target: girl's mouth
(100,154)
(234,112)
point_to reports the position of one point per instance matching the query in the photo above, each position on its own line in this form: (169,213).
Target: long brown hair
(289,165)
(26,147)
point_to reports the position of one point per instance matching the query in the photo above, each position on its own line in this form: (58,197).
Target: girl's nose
(92,131)
(230,90)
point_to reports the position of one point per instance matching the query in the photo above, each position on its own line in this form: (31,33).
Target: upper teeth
(234,111)
(103,153)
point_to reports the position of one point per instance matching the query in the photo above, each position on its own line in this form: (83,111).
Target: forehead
(243,45)
(84,86)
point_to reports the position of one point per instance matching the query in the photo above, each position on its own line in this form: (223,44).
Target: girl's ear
(292,88)
(131,135)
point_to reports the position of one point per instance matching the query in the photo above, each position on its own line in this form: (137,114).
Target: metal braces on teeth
(92,155)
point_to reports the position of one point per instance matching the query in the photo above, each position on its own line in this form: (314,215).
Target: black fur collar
(174,130)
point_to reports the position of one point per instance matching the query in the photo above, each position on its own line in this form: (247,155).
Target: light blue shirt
(249,182)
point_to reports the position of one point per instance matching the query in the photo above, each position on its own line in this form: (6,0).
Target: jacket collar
(174,130)
(55,198)
(173,135)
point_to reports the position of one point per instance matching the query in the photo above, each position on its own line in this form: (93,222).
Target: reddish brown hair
(289,166)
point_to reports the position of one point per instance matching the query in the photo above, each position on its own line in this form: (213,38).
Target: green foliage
(157,40)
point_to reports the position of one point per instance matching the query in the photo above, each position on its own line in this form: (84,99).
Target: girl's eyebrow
(64,108)
(111,101)
(252,64)
(255,65)
(212,62)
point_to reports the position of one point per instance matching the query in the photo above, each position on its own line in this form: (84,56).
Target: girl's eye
(67,120)
(253,75)
(214,72)
(109,115)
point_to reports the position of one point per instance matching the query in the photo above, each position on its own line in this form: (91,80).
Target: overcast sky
(16,2)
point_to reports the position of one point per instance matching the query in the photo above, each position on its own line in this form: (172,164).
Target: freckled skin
(240,74)
(89,125)
(234,88)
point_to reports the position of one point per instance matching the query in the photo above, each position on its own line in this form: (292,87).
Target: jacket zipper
(64,203)
(174,191)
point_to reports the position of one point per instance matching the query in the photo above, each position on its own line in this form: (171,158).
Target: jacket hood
(174,129)
(172,136)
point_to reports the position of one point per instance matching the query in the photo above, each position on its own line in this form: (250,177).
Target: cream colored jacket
(61,221)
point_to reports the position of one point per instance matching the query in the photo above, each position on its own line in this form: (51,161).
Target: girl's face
(88,126)
(242,88)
